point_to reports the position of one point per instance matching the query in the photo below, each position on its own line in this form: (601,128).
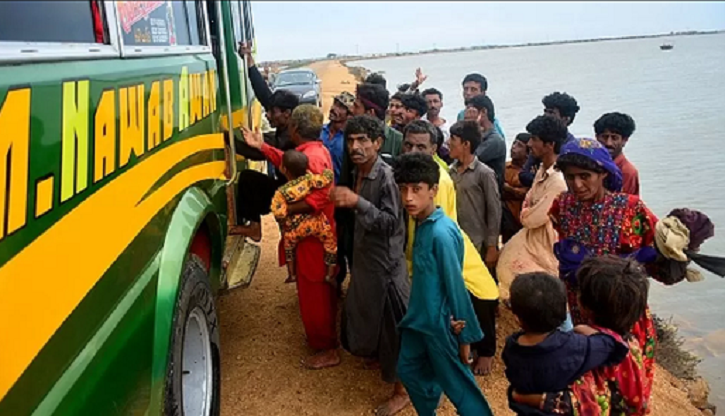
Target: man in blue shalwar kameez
(433,359)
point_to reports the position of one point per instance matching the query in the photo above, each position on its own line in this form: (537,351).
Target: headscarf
(700,226)
(346,100)
(594,151)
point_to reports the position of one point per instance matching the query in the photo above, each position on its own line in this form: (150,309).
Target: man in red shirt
(317,299)
(613,131)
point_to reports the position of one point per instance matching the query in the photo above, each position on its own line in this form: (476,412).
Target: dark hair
(376,78)
(416,168)
(480,102)
(539,301)
(440,138)
(468,131)
(549,129)
(565,103)
(523,137)
(578,161)
(477,78)
(398,96)
(375,94)
(403,88)
(415,102)
(364,124)
(432,91)
(422,127)
(618,123)
(614,290)
(284,100)
(295,162)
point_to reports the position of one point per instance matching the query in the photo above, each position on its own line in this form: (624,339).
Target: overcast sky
(301,29)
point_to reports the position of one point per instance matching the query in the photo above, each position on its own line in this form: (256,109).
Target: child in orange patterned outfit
(297,227)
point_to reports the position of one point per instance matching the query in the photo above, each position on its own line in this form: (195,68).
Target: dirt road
(262,342)
(335,79)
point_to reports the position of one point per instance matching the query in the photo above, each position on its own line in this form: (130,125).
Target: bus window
(32,31)
(163,27)
(236,20)
(187,23)
(49,21)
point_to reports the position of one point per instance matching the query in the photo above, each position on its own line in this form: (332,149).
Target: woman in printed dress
(593,218)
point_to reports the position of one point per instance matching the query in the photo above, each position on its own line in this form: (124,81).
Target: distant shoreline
(346,58)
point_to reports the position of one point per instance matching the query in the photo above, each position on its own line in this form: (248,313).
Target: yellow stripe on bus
(52,275)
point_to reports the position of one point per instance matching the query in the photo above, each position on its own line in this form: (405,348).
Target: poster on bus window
(149,23)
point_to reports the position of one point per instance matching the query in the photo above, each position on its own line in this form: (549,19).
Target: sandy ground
(335,79)
(263,340)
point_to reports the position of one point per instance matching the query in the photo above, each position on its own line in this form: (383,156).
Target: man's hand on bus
(253,138)
(246,50)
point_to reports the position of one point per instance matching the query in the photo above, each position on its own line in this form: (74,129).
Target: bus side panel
(191,213)
(112,374)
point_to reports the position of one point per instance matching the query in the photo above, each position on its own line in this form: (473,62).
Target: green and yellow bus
(117,178)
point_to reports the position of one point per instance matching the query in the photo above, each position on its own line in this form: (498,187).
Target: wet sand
(262,341)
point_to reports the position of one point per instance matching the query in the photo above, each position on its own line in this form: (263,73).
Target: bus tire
(193,376)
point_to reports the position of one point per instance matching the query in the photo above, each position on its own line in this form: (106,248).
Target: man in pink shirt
(613,131)
(318,301)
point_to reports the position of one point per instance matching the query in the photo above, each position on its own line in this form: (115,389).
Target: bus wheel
(192,380)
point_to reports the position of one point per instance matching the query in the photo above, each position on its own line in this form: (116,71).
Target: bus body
(115,174)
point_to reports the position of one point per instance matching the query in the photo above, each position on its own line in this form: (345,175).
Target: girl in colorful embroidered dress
(612,297)
(593,219)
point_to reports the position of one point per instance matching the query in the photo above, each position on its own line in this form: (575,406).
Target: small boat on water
(666,46)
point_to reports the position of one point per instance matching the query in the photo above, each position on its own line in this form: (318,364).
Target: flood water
(677,99)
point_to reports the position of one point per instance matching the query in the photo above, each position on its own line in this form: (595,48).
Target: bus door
(226,25)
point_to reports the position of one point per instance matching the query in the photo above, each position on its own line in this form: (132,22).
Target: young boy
(477,196)
(295,228)
(432,359)
(478,207)
(542,359)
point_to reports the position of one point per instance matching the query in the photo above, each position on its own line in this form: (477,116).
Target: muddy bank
(263,340)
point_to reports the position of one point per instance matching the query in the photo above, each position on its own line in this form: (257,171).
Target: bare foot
(324,359)
(482,366)
(253,231)
(395,404)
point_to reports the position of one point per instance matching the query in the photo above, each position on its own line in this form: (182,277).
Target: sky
(302,29)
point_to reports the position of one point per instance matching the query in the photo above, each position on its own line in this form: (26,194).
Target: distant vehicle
(300,81)
(666,46)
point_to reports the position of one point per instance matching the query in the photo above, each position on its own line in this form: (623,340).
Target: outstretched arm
(255,140)
(259,85)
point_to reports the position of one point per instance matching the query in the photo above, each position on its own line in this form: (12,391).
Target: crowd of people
(434,227)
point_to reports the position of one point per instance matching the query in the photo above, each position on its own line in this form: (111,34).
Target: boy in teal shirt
(433,359)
